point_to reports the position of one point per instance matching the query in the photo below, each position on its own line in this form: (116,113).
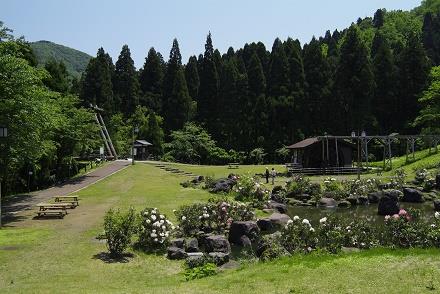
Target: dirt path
(13,208)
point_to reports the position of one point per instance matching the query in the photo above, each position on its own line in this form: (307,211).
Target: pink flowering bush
(154,230)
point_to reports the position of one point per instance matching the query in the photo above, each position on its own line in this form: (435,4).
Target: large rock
(219,258)
(223,185)
(437,181)
(389,203)
(192,245)
(374,197)
(279,219)
(327,202)
(281,208)
(265,224)
(363,200)
(245,241)
(179,243)
(265,242)
(217,243)
(176,253)
(278,190)
(412,195)
(437,205)
(344,204)
(197,180)
(353,200)
(243,228)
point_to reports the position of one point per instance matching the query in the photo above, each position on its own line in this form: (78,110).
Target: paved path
(22,202)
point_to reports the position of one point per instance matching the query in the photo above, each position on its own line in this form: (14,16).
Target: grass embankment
(59,256)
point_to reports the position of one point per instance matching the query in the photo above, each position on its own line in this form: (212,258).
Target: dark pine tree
(209,87)
(318,74)
(379,18)
(150,79)
(126,83)
(354,84)
(431,37)
(96,85)
(192,78)
(413,74)
(155,133)
(384,100)
(177,104)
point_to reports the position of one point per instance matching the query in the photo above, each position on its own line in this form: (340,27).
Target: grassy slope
(60,255)
(75,60)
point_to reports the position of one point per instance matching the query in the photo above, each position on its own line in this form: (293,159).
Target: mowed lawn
(62,256)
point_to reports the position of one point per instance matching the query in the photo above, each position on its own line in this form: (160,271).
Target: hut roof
(304,143)
(141,143)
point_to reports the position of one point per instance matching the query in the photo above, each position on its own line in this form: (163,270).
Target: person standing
(267,175)
(273,174)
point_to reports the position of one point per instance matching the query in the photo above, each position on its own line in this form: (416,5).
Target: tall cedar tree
(384,99)
(177,104)
(319,82)
(97,87)
(126,83)
(209,87)
(257,93)
(431,36)
(379,18)
(192,78)
(150,79)
(155,133)
(413,75)
(354,84)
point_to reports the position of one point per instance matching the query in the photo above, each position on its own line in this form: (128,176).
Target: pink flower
(402,212)
(395,216)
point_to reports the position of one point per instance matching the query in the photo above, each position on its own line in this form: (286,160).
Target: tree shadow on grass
(108,258)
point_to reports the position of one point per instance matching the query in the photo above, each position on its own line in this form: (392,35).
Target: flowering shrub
(421,176)
(330,235)
(155,230)
(271,247)
(398,179)
(298,185)
(360,187)
(333,189)
(216,215)
(298,236)
(118,230)
(249,189)
(361,234)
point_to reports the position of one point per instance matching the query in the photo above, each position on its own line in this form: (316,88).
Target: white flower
(168,222)
(437,215)
(174,210)
(172,227)
(155,240)
(306,222)
(161,216)
(163,227)
(154,231)
(183,218)
(205,215)
(295,218)
(322,220)
(289,222)
(433,226)
(312,229)
(167,234)
(153,217)
(200,217)
(148,221)
(161,222)
(152,235)
(362,244)
(145,213)
(161,234)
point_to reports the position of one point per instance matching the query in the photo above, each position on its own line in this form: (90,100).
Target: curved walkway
(18,203)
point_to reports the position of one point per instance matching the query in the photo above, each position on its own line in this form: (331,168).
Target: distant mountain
(75,60)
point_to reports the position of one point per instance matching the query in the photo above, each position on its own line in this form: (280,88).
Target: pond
(368,212)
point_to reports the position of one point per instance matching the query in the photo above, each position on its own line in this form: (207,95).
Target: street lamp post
(135,130)
(3,134)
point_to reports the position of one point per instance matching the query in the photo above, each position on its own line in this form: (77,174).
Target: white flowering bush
(155,230)
(332,188)
(360,187)
(298,236)
(249,189)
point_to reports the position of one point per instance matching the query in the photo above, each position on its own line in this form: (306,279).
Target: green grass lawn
(62,256)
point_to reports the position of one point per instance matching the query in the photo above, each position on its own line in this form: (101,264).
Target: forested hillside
(366,77)
(74,60)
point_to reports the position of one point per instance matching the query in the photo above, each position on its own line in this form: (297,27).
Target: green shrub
(398,179)
(330,235)
(197,262)
(272,247)
(118,230)
(249,189)
(205,270)
(298,236)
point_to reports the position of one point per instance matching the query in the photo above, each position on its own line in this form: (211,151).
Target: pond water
(367,212)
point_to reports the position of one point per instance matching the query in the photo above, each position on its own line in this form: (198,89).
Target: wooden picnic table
(53,209)
(233,165)
(67,199)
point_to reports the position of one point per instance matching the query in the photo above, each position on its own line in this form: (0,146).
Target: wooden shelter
(322,152)
(141,149)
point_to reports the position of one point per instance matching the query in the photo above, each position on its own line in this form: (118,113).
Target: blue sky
(87,25)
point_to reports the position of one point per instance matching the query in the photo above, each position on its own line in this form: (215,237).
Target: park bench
(52,212)
(73,200)
(233,165)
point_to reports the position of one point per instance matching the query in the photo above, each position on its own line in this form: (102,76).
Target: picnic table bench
(73,200)
(52,209)
(233,165)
